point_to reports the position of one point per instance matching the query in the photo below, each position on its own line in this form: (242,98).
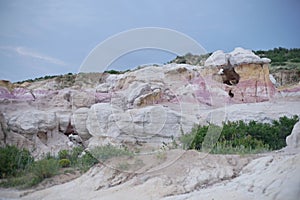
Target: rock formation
(293,140)
(154,104)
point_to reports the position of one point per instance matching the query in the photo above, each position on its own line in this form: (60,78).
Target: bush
(45,168)
(63,154)
(78,158)
(74,154)
(86,161)
(238,136)
(187,139)
(64,163)
(13,160)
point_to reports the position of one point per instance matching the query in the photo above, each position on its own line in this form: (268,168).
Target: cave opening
(230,94)
(229,75)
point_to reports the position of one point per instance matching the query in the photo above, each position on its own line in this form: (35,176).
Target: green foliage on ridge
(236,137)
(282,58)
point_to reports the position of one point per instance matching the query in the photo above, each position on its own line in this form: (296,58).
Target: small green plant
(63,154)
(86,161)
(64,163)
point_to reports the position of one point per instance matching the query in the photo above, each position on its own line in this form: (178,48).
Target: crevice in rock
(43,137)
(230,94)
(70,130)
(229,75)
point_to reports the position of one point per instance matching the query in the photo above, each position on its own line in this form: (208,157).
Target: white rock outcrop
(237,57)
(148,123)
(293,140)
(79,118)
(33,122)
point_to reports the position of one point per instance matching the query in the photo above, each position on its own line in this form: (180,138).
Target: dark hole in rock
(229,75)
(42,136)
(67,97)
(230,94)
(70,130)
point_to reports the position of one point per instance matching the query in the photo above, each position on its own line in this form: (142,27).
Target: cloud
(23,51)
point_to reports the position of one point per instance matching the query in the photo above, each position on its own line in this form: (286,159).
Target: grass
(103,153)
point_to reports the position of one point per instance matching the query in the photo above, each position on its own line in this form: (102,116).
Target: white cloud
(23,51)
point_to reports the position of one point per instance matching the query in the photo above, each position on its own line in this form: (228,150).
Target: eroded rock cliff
(154,104)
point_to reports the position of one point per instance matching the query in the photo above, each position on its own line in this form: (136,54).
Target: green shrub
(13,160)
(74,154)
(87,161)
(187,139)
(63,154)
(64,162)
(77,160)
(238,136)
(45,168)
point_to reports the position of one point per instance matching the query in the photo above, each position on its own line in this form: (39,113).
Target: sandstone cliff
(154,104)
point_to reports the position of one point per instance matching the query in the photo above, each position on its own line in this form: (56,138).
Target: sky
(39,38)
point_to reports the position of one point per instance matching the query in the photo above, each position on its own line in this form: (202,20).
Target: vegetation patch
(13,160)
(64,163)
(240,137)
(104,153)
(18,168)
(282,58)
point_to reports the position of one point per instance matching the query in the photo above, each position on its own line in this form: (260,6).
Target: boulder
(293,140)
(32,122)
(64,118)
(244,56)
(79,118)
(98,119)
(143,123)
(237,57)
(218,58)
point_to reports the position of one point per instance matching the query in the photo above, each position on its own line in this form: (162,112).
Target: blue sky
(39,38)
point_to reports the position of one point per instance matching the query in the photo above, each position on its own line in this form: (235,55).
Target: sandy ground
(182,175)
